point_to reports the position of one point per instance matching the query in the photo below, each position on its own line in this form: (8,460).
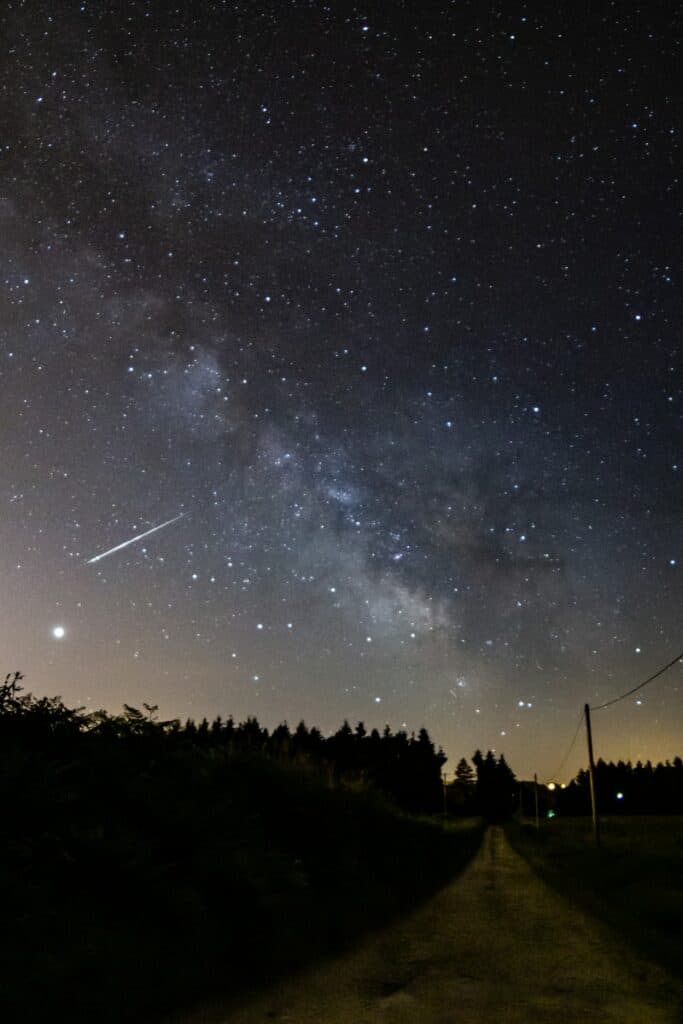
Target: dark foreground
(497,945)
(138,877)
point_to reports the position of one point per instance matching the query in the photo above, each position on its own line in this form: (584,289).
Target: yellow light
(551,785)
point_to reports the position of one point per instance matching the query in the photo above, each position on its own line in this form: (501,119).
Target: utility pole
(591,775)
(536,800)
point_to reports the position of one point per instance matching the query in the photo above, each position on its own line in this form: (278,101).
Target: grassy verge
(132,889)
(633,882)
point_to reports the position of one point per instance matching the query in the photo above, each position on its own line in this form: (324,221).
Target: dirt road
(495,947)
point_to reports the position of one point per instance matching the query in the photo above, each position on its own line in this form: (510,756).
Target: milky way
(387,300)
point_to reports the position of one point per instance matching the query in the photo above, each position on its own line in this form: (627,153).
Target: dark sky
(386,301)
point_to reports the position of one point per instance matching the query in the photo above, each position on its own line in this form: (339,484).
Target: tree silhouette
(496,787)
(624,788)
(237,842)
(460,792)
(464,773)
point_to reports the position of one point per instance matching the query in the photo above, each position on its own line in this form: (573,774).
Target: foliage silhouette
(496,789)
(644,788)
(126,841)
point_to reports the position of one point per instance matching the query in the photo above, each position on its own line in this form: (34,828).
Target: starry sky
(383,302)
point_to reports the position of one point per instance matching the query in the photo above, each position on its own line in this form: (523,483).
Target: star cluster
(385,301)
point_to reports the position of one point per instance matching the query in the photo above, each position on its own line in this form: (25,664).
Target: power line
(635,689)
(569,750)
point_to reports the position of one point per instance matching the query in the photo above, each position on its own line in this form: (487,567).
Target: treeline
(146,864)
(490,789)
(405,768)
(626,788)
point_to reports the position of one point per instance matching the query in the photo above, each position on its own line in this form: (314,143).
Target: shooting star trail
(134,540)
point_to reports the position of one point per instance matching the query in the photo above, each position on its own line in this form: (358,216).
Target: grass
(131,890)
(633,882)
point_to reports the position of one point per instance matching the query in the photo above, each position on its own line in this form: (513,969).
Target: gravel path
(497,946)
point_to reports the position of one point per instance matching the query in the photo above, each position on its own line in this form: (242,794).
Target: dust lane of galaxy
(390,299)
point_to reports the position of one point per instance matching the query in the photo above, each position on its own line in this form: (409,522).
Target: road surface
(497,946)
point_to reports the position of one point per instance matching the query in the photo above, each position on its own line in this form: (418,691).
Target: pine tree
(464,773)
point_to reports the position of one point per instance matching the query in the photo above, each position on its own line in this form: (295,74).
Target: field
(633,882)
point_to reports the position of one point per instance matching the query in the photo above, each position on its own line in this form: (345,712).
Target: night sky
(386,301)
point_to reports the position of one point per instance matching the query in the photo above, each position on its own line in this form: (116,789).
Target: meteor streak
(134,540)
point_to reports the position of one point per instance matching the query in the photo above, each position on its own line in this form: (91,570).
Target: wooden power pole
(591,775)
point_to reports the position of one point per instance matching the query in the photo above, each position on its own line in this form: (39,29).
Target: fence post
(536,800)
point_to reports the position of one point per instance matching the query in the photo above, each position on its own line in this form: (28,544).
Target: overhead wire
(640,686)
(609,703)
(569,749)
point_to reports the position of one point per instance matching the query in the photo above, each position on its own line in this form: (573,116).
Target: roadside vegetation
(146,865)
(633,881)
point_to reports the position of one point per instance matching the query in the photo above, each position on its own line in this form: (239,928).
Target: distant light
(551,786)
(550,814)
(58,632)
(620,796)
